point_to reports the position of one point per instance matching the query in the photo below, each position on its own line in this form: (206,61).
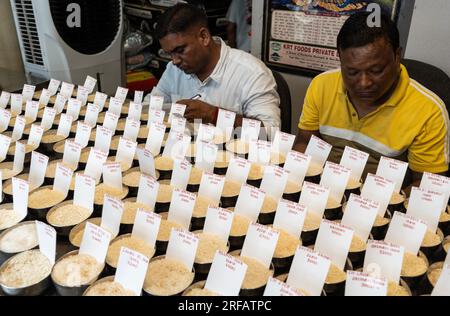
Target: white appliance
(70,39)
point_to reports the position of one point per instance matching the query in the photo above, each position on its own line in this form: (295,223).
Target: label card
(355,160)
(47,240)
(225,122)
(360,215)
(16,103)
(178,124)
(100,99)
(148,191)
(19,157)
(48,118)
(436,183)
(176,145)
(259,152)
(282,142)
(308,271)
(121,94)
(335,177)
(138,97)
(290,216)
(155,138)
(177,110)
(211,186)
(250,130)
(314,197)
(95,242)
(393,170)
(238,170)
(426,205)
(182,247)
(19,126)
(83,134)
(66,90)
(442,287)
(383,260)
(205,133)
(111,214)
(180,174)
(20,196)
(63,177)
(112,175)
(275,287)
(36,132)
(110,121)
(181,207)
(131,270)
(318,150)
(260,243)
(378,189)
(84,191)
(5,117)
(226,275)
(28,92)
(89,84)
(406,231)
(135,111)
(91,116)
(274,181)
(218,222)
(38,167)
(60,103)
(297,164)
(82,95)
(156,103)
(126,151)
(103,138)
(131,129)
(146,226)
(249,202)
(31,110)
(206,156)
(334,241)
(4,99)
(5,141)
(361,284)
(45,97)
(73,108)
(71,156)
(146,162)
(156,116)
(53,86)
(115,106)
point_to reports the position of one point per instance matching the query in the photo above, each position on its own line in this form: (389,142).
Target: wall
(428,39)
(10,57)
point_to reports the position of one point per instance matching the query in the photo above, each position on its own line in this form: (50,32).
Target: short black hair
(356,32)
(180,18)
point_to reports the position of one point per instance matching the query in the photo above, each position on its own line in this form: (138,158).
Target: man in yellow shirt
(373,105)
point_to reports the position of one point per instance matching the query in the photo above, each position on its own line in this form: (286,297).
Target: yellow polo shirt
(411,126)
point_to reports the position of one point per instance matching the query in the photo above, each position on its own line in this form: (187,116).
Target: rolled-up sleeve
(309,119)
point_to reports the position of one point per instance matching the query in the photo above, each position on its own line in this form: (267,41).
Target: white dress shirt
(237,14)
(240,83)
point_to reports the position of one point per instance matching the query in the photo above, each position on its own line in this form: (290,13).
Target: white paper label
(60,102)
(71,156)
(308,271)
(274,181)
(135,111)
(155,138)
(5,141)
(442,287)
(211,186)
(314,197)
(437,183)
(91,116)
(249,202)
(16,104)
(250,130)
(290,217)
(131,270)
(95,242)
(360,215)
(66,90)
(84,191)
(121,94)
(110,121)
(260,243)
(53,86)
(383,260)
(83,134)
(115,106)
(176,145)
(112,175)
(28,92)
(406,231)
(4,99)
(378,189)
(20,196)
(177,110)
(427,206)
(225,122)
(48,118)
(181,207)
(5,117)
(126,151)
(82,94)
(182,247)
(259,152)
(103,138)
(218,222)
(334,241)
(361,284)
(205,133)
(146,226)
(73,108)
(297,164)
(226,275)
(156,102)
(19,157)
(45,97)
(146,162)
(38,167)
(47,240)
(335,177)
(138,96)
(35,136)
(63,177)
(100,99)
(19,126)
(238,170)
(282,142)
(131,129)
(148,191)
(180,174)
(178,124)
(89,84)
(318,150)
(31,110)
(355,160)
(206,156)
(393,170)
(156,116)
(275,287)
(94,165)
(111,214)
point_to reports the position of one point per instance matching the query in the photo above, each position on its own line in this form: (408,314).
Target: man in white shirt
(239,27)
(222,77)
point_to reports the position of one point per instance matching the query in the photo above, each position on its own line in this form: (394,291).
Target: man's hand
(196,109)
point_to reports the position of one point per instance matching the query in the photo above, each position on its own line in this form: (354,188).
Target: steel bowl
(62,230)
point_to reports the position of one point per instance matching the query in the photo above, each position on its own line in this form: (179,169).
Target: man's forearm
(302,139)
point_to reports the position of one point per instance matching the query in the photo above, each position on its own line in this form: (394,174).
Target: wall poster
(300,35)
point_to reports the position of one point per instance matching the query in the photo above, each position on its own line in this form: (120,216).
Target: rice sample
(108,288)
(45,198)
(133,243)
(19,238)
(76,270)
(68,215)
(413,265)
(207,247)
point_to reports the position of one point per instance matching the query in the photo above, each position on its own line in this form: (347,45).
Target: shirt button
(354,114)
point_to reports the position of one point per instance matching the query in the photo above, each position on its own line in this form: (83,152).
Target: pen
(197,96)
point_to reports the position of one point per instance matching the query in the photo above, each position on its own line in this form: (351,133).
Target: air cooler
(51,48)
